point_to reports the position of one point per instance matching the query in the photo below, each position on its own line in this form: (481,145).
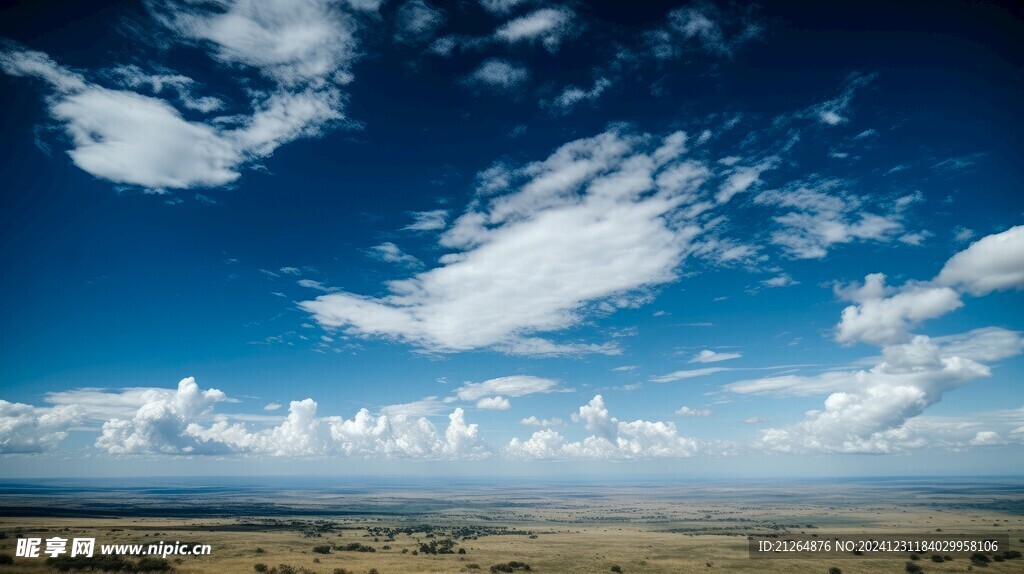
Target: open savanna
(662,528)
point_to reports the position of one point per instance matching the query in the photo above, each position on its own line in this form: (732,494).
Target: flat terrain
(658,527)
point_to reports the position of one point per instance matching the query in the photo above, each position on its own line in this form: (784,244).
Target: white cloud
(293,42)
(835,111)
(272,406)
(754,421)
(161,425)
(26,429)
(985,344)
(313,284)
(499,74)
(573,95)
(781,280)
(987,438)
(391,253)
(494,404)
(533,421)
(416,21)
(887,320)
(550,26)
(709,356)
(428,220)
(302,48)
(689,412)
(612,439)
(290,270)
(883,314)
(98,405)
(502,6)
(714,30)
(427,406)
(993,263)
(513,386)
(688,374)
(871,416)
(589,215)
(740,180)
(819,218)
(172,424)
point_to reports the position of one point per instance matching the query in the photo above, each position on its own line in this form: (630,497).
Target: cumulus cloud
(883,314)
(549,26)
(494,404)
(887,320)
(162,425)
(612,439)
(709,356)
(592,215)
(182,422)
(871,414)
(26,429)
(302,50)
(993,263)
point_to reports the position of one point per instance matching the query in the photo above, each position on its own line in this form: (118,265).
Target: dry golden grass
(577,537)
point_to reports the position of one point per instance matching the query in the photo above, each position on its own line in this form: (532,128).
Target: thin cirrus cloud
(301,50)
(709,356)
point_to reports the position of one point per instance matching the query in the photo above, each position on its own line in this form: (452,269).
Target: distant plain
(658,526)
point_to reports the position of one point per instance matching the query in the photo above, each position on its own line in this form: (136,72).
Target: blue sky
(506,237)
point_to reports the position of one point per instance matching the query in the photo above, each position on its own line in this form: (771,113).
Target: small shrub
(913,568)
(260,567)
(462,551)
(834,570)
(151,564)
(617,568)
(322,549)
(6,559)
(938,559)
(979,559)
(259,550)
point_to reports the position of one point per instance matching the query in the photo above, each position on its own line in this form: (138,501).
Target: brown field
(584,529)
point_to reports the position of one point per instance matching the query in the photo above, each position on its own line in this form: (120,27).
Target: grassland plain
(657,528)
